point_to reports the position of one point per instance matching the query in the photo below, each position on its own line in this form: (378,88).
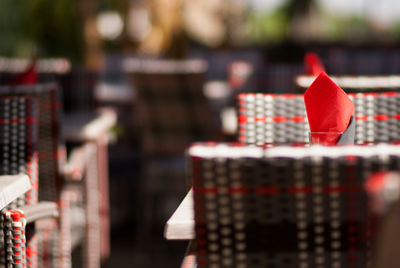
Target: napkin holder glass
(324,138)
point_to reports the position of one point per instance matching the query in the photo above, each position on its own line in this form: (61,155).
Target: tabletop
(181,224)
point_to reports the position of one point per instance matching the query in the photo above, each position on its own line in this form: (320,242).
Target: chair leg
(31,246)
(104,211)
(64,243)
(92,239)
(14,238)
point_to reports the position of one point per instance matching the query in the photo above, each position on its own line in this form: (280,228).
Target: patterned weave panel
(15,239)
(284,207)
(18,142)
(171,110)
(49,133)
(282,119)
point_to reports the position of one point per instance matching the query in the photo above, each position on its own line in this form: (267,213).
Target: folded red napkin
(28,77)
(328,108)
(313,64)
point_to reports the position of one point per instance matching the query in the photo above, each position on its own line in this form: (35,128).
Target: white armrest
(40,211)
(77,161)
(13,186)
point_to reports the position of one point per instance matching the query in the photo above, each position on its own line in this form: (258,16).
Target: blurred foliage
(273,26)
(14,39)
(53,28)
(395,31)
(268,27)
(50,28)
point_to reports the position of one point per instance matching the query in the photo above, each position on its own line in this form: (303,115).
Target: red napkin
(313,64)
(328,107)
(28,77)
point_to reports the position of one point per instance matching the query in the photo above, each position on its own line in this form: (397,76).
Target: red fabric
(313,64)
(325,138)
(328,107)
(28,77)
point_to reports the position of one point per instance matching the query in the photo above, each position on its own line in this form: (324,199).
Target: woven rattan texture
(282,119)
(171,110)
(283,211)
(49,133)
(18,144)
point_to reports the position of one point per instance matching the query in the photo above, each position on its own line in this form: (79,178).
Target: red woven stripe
(374,94)
(16,215)
(279,119)
(381,117)
(28,120)
(390,94)
(260,119)
(298,118)
(362,118)
(352,94)
(267,190)
(289,96)
(242,119)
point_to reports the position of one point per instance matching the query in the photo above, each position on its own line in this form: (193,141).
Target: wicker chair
(281,119)
(19,154)
(58,237)
(76,95)
(284,206)
(170,112)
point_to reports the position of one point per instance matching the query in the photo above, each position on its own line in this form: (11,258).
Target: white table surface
(11,187)
(181,224)
(357,82)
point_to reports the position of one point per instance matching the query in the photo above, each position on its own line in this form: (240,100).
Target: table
(11,187)
(181,224)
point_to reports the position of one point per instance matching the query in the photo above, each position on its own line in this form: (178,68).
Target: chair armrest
(88,127)
(39,211)
(13,186)
(75,167)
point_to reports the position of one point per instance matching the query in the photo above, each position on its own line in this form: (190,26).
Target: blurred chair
(284,206)
(19,125)
(282,119)
(169,112)
(170,108)
(79,211)
(92,130)
(279,77)
(74,101)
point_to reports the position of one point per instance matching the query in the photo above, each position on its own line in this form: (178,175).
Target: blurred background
(172,68)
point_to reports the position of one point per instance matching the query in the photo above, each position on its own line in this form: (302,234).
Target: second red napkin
(313,64)
(28,77)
